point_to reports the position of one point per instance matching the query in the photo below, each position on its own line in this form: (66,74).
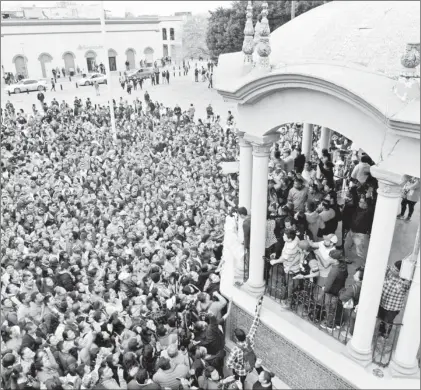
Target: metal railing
(246,264)
(325,311)
(384,342)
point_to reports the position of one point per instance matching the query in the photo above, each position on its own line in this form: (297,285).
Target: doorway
(45,59)
(90,61)
(20,66)
(113,63)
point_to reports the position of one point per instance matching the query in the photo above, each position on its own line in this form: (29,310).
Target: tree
(194,36)
(226,25)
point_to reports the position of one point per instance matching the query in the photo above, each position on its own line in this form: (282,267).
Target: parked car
(90,78)
(143,73)
(27,85)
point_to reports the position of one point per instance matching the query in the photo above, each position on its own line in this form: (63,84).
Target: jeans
(411,206)
(242,378)
(360,241)
(387,317)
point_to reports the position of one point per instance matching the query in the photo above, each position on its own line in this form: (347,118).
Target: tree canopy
(226,25)
(194,36)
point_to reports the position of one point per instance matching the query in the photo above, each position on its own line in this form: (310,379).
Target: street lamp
(107,71)
(292,9)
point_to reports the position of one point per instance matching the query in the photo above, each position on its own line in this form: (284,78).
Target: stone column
(256,283)
(307,140)
(324,139)
(245,179)
(389,194)
(404,361)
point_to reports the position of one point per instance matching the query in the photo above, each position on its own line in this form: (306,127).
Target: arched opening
(45,60)
(112,59)
(20,65)
(148,52)
(90,56)
(69,61)
(130,55)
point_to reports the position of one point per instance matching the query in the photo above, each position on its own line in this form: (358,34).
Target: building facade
(35,47)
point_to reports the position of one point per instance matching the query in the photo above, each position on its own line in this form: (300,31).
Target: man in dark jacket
(299,161)
(64,278)
(360,229)
(242,213)
(335,282)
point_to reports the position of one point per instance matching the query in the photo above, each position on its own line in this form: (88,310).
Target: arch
(45,59)
(130,55)
(90,54)
(322,103)
(112,53)
(17,56)
(68,52)
(148,50)
(130,49)
(20,62)
(69,61)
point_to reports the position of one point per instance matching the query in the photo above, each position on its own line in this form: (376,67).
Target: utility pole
(107,72)
(292,9)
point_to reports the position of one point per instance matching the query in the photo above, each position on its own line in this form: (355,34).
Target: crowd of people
(319,219)
(111,248)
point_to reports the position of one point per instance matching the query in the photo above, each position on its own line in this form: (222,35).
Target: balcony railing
(325,311)
(246,265)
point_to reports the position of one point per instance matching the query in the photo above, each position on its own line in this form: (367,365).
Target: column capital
(244,143)
(261,150)
(390,183)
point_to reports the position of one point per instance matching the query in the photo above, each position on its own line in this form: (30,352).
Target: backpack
(249,357)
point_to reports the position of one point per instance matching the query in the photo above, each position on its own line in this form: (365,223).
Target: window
(164,34)
(30,82)
(171,34)
(165,51)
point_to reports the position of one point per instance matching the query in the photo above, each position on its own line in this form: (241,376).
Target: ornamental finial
(248,46)
(407,87)
(263,47)
(256,33)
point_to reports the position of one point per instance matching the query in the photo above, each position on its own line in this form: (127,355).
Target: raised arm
(252,332)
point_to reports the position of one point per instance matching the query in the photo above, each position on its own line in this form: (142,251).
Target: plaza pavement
(182,90)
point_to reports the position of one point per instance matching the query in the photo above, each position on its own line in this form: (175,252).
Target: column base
(363,358)
(255,291)
(399,370)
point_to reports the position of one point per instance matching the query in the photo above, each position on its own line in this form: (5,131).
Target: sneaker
(346,335)
(399,216)
(407,219)
(324,325)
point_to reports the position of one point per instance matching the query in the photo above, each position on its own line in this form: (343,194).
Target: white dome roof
(367,35)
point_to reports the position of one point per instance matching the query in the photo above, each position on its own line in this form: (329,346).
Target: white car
(90,78)
(26,85)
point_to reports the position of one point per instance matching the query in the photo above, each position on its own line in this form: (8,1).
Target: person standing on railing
(242,358)
(335,282)
(360,229)
(393,298)
(350,297)
(290,259)
(410,196)
(242,213)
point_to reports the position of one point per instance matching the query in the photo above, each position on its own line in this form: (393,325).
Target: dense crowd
(112,248)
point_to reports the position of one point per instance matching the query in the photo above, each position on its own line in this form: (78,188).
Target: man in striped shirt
(236,358)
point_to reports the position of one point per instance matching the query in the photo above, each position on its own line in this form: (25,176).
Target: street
(182,90)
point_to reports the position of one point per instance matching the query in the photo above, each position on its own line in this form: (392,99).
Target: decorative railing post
(248,46)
